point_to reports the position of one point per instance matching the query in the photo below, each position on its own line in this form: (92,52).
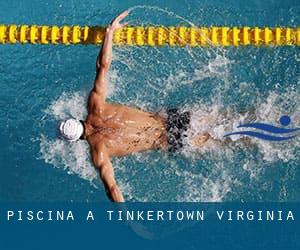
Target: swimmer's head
(70,130)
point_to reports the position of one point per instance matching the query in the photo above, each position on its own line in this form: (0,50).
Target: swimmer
(114,130)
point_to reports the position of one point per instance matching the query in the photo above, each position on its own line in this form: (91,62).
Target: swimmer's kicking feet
(117,130)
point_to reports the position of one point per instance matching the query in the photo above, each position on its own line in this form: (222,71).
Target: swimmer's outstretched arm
(103,164)
(105,56)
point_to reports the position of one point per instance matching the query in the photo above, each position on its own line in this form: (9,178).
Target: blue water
(42,84)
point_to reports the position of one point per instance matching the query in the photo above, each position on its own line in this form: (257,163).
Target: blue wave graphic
(262,136)
(284,121)
(269,128)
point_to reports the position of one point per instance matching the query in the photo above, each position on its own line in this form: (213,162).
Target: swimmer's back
(126,130)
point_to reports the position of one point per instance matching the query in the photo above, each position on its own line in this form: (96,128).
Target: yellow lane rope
(152,35)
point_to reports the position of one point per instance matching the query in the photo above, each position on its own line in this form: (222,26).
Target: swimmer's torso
(124,130)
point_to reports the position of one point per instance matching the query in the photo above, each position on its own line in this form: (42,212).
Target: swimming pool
(42,84)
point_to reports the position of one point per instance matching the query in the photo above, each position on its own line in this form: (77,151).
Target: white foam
(216,121)
(68,105)
(211,188)
(72,157)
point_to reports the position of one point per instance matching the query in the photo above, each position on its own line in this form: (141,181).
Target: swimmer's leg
(200,140)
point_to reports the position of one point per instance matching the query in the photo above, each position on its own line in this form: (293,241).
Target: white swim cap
(70,130)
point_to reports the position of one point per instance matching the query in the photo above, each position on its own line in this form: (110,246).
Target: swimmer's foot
(200,140)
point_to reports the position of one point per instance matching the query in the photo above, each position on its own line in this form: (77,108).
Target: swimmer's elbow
(99,163)
(105,63)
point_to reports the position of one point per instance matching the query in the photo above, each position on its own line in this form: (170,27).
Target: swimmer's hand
(115,24)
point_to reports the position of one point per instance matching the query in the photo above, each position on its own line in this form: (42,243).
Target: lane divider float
(152,35)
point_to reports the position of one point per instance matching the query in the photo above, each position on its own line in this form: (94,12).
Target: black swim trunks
(177,125)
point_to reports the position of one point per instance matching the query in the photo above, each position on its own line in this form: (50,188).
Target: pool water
(43,84)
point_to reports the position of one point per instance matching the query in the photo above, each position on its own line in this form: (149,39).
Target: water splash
(192,185)
(215,85)
(74,158)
